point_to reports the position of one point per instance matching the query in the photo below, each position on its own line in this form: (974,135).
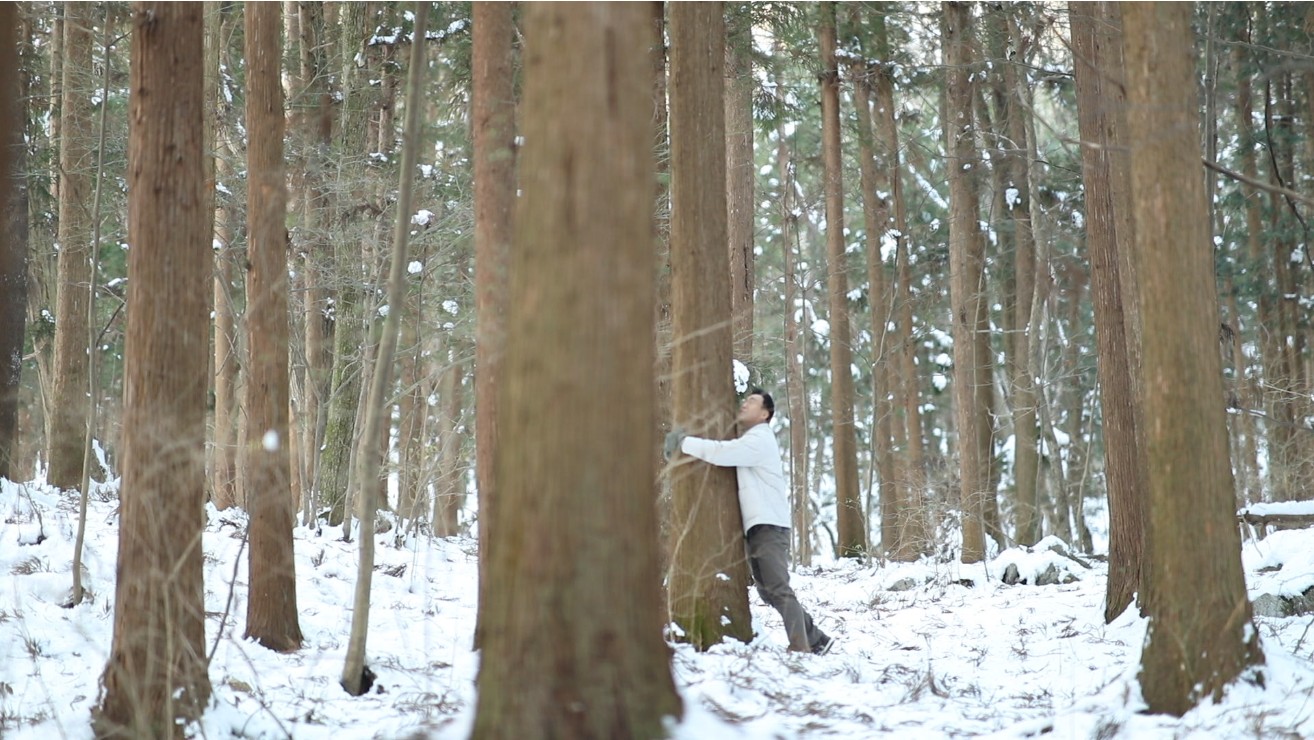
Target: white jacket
(763,494)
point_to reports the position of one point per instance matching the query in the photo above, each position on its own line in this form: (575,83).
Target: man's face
(752,412)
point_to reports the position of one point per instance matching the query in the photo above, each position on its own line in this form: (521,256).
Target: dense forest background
(1254,106)
(934,221)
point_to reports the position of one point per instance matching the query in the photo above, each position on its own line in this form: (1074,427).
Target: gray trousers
(768,555)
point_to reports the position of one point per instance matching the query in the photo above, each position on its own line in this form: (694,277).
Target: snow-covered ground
(955,652)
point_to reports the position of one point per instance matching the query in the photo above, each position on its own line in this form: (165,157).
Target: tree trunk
(315,127)
(378,411)
(1283,372)
(662,241)
(1264,343)
(227,362)
(852,528)
(412,411)
(271,613)
(156,672)
(13,239)
(1097,50)
(211,21)
(739,175)
(878,218)
(967,276)
(911,533)
(84,483)
(68,409)
(1269,343)
(1017,169)
(350,241)
(1199,639)
(493,109)
(227,352)
(578,522)
(448,493)
(708,579)
(795,348)
(1073,407)
(41,256)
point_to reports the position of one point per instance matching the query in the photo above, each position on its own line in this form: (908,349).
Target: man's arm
(746,451)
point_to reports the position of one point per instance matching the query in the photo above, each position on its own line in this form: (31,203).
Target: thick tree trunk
(271,613)
(967,276)
(493,109)
(1199,639)
(1097,51)
(739,175)
(708,579)
(156,672)
(68,408)
(13,239)
(851,524)
(578,522)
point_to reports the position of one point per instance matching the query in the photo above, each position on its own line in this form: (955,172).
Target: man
(764,504)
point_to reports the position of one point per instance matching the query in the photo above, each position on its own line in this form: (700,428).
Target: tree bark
(708,579)
(739,175)
(1284,368)
(1097,53)
(350,243)
(1014,100)
(911,532)
(851,524)
(156,672)
(1267,343)
(413,409)
(13,239)
(42,257)
(1199,639)
(967,277)
(227,352)
(271,613)
(878,217)
(795,349)
(662,244)
(68,408)
(227,362)
(449,494)
(316,127)
(577,525)
(493,113)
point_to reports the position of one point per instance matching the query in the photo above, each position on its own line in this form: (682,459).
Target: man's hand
(672,444)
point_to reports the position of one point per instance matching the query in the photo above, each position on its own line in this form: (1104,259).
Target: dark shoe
(823,647)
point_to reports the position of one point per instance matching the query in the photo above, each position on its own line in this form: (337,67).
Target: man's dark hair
(768,402)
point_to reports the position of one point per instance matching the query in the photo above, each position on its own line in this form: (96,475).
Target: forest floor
(958,653)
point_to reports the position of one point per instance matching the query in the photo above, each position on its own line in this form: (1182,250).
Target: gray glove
(673,440)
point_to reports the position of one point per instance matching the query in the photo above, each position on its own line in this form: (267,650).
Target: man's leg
(768,554)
